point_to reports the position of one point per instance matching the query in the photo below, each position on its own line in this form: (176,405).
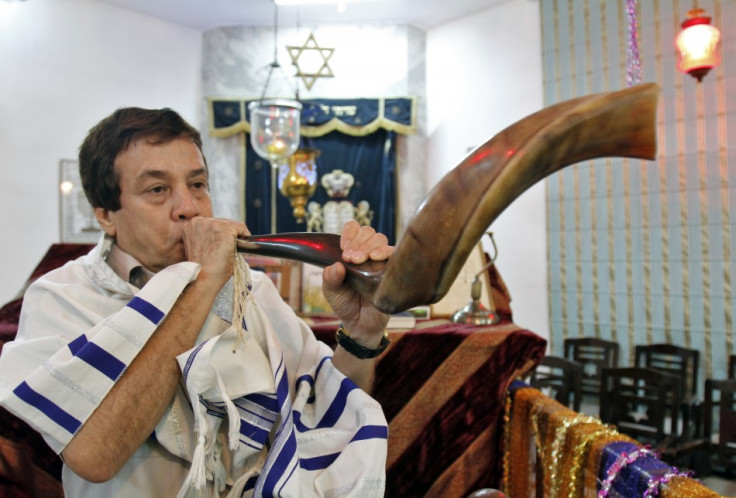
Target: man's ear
(105,221)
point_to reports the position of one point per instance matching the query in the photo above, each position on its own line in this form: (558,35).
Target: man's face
(162,187)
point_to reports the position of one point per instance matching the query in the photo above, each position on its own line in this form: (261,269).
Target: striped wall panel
(642,251)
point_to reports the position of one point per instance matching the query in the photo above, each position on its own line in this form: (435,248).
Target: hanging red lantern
(697,45)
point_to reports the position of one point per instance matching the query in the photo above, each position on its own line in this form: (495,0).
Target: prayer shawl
(329,437)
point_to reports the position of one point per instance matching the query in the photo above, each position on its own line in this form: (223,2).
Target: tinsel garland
(622,461)
(633,61)
(575,454)
(594,461)
(680,486)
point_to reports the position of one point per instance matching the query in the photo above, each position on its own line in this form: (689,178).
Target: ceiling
(207,14)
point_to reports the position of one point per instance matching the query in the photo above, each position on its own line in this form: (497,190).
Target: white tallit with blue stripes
(296,425)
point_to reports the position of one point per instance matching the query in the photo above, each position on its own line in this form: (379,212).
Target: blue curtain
(370,159)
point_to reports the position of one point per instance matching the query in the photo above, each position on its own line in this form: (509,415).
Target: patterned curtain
(370,159)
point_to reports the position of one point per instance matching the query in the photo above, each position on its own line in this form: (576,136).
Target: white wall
(66,64)
(484,72)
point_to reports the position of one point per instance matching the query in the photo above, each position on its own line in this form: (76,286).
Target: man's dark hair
(112,136)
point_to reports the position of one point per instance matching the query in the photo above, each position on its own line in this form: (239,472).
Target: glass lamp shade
(697,45)
(274,128)
(298,179)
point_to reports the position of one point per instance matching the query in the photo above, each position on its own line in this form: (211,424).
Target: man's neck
(127,267)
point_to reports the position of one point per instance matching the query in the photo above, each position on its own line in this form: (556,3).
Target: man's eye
(158,189)
(199,185)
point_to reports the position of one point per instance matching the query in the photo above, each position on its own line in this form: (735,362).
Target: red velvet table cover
(443,390)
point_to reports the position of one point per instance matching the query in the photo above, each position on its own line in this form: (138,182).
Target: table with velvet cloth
(442,387)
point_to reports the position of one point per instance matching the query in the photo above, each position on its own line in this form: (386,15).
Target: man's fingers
(349,231)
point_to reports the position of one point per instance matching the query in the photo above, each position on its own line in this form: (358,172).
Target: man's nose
(185,206)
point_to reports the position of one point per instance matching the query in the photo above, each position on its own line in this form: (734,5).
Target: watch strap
(348,344)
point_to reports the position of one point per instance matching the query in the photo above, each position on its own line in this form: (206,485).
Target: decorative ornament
(298,179)
(621,462)
(311,61)
(633,61)
(337,183)
(697,44)
(474,313)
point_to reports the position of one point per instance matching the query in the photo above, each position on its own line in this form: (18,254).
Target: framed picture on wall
(77,221)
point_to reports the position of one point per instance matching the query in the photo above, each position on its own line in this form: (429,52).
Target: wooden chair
(719,420)
(732,366)
(685,364)
(592,354)
(642,403)
(561,379)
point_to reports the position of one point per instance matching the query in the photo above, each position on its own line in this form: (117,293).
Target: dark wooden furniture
(685,364)
(719,420)
(560,379)
(732,366)
(642,403)
(593,354)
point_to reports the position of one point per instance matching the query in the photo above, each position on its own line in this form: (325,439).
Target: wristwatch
(348,344)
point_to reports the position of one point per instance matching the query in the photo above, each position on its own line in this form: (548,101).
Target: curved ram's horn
(456,213)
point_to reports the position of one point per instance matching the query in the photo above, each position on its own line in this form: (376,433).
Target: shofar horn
(457,212)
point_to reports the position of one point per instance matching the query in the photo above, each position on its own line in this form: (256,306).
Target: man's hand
(364,322)
(211,243)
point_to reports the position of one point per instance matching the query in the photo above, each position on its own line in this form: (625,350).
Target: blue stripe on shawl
(335,410)
(253,432)
(152,313)
(264,401)
(288,476)
(371,432)
(247,443)
(190,360)
(280,465)
(101,360)
(77,344)
(271,419)
(308,378)
(250,483)
(277,464)
(318,463)
(48,407)
(364,433)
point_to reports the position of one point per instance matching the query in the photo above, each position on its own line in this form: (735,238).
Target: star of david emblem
(311,61)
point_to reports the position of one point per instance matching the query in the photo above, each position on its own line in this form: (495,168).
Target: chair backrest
(562,378)
(677,360)
(593,354)
(641,402)
(732,366)
(719,420)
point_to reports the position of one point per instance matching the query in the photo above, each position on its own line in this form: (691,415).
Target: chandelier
(274,123)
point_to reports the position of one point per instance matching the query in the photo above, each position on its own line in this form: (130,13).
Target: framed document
(313,301)
(77,221)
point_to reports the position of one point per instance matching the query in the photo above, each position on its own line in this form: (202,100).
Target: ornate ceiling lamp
(697,44)
(275,122)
